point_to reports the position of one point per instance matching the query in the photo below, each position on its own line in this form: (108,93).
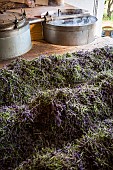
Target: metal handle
(51,18)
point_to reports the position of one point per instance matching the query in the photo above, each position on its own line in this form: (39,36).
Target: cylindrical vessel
(14,43)
(57,33)
(15,39)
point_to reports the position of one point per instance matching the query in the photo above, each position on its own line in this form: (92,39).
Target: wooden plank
(41,2)
(3,0)
(37,11)
(20,1)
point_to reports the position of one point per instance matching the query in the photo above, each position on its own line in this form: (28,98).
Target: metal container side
(15,42)
(69,35)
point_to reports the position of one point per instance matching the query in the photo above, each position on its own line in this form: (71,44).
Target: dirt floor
(44,48)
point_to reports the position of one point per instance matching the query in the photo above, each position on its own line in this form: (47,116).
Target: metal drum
(70,32)
(15,37)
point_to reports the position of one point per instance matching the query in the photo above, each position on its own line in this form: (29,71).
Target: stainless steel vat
(15,38)
(69,34)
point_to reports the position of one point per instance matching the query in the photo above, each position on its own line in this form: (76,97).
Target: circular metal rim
(11,25)
(72,26)
(69,28)
(14,32)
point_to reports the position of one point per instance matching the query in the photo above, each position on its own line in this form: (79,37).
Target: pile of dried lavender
(56,112)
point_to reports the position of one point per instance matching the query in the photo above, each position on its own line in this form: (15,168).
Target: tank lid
(11,20)
(79,21)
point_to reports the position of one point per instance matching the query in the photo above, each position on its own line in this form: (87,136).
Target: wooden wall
(21,1)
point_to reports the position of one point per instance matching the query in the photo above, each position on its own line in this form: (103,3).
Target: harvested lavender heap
(56,112)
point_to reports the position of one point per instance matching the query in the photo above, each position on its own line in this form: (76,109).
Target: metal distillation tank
(15,38)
